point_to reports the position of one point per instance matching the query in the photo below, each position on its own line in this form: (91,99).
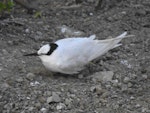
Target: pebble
(31,108)
(4,51)
(137,105)
(60,106)
(54,98)
(36,83)
(38,105)
(115,82)
(10,43)
(19,79)
(27,30)
(97,89)
(105,94)
(39,33)
(80,76)
(30,76)
(126,79)
(144,77)
(124,88)
(145,110)
(43,110)
(130,84)
(132,98)
(108,75)
(68,101)
(41,99)
(104,76)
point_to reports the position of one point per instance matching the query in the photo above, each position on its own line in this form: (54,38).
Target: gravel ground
(118,82)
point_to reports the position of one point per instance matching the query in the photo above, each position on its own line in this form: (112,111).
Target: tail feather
(105,45)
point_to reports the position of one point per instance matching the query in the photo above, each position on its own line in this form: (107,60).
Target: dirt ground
(27,87)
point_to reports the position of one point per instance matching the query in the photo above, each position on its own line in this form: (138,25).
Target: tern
(70,55)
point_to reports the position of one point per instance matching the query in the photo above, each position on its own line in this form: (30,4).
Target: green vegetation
(6,6)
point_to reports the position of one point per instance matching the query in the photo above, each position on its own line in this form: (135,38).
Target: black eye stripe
(53,47)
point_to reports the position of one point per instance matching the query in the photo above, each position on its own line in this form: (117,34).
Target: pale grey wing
(103,46)
(73,53)
(74,40)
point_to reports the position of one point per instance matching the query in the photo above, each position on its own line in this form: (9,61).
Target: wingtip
(92,36)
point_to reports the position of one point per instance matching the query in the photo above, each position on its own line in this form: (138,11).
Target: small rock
(39,33)
(27,30)
(48,93)
(38,105)
(31,108)
(91,14)
(105,94)
(126,79)
(28,98)
(30,76)
(80,76)
(41,99)
(115,83)
(137,105)
(130,84)
(69,32)
(54,98)
(124,88)
(10,43)
(43,110)
(68,101)
(134,76)
(4,51)
(144,110)
(60,106)
(36,83)
(126,63)
(108,75)
(132,98)
(144,77)
(19,79)
(98,89)
(104,76)
(116,106)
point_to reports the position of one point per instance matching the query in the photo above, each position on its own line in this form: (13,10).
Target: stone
(43,110)
(80,76)
(38,105)
(97,89)
(104,76)
(27,30)
(68,101)
(60,106)
(124,88)
(126,79)
(54,98)
(108,75)
(130,84)
(30,76)
(36,83)
(19,79)
(144,76)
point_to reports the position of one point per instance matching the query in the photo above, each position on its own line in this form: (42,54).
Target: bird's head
(44,50)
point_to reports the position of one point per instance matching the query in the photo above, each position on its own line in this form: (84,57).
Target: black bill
(31,54)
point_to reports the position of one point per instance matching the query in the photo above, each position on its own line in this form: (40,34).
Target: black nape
(53,47)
